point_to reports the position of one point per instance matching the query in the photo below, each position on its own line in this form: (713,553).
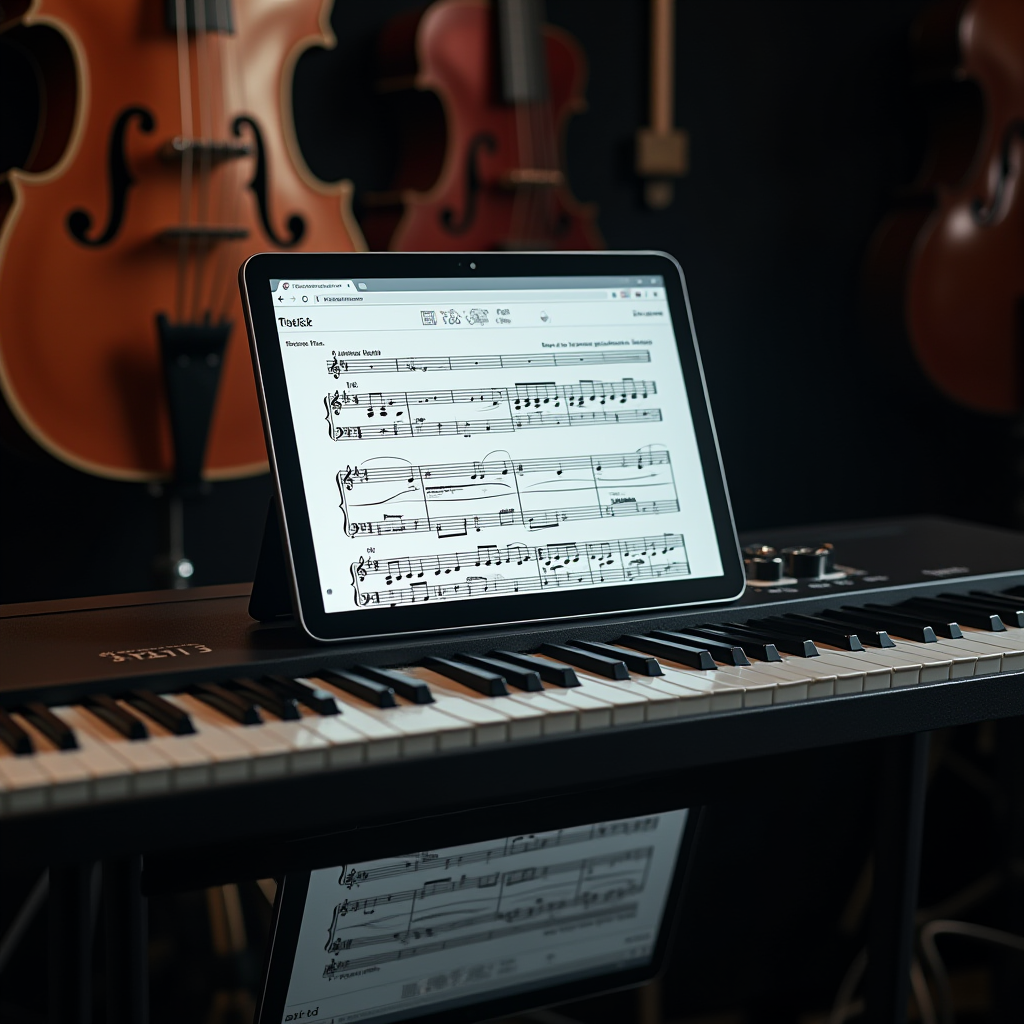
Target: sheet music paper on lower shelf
(390,939)
(513,438)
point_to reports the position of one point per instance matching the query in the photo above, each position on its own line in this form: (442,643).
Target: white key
(905,668)
(70,782)
(150,770)
(110,774)
(424,727)
(963,662)
(345,746)
(987,643)
(591,713)
(848,679)
(664,698)
(720,690)
(491,721)
(27,785)
(877,674)
(231,759)
(793,682)
(384,738)
(935,664)
(627,707)
(558,718)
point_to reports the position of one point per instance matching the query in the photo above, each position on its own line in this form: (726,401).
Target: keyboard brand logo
(952,570)
(154,653)
(298,321)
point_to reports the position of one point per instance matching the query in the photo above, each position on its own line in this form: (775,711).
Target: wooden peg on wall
(662,150)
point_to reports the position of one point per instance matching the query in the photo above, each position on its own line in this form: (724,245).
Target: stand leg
(127,942)
(898,836)
(70,944)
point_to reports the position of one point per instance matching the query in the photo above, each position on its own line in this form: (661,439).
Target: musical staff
(513,846)
(521,396)
(383,497)
(587,891)
(541,519)
(351,476)
(467,428)
(338,365)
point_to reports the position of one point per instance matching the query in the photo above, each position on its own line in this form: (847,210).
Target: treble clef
(347,478)
(361,569)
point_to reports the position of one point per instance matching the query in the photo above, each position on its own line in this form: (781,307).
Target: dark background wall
(803,123)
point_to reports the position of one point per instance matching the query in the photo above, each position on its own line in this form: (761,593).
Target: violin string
(185,98)
(236,191)
(514,11)
(229,171)
(205,154)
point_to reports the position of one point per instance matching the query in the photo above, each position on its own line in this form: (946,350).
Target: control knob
(762,563)
(809,562)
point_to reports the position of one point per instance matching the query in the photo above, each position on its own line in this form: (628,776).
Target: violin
(964,298)
(167,154)
(483,91)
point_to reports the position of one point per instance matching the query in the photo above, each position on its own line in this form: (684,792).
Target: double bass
(166,155)
(483,91)
(960,254)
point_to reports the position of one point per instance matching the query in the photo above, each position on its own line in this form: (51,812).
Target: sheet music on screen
(515,436)
(391,939)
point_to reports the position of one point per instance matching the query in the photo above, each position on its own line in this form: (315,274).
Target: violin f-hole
(484,140)
(258,186)
(987,214)
(79,221)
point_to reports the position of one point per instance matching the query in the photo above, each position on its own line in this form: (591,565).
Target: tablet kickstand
(271,597)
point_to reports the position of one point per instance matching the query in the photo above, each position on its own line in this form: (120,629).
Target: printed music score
(401,409)
(563,565)
(391,496)
(338,365)
(352,878)
(504,903)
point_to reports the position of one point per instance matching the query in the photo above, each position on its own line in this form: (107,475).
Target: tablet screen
(461,441)
(397,938)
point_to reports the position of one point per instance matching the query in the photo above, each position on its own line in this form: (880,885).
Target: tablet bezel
(357,625)
(468,827)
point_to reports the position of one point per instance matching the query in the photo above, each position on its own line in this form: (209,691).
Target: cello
(964,298)
(484,90)
(166,155)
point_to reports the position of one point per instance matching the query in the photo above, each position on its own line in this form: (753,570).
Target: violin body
(965,282)
(479,172)
(167,180)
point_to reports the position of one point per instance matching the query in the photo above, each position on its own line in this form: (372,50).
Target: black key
(380,695)
(557,675)
(490,684)
(116,717)
(695,657)
(821,630)
(785,640)
(515,675)
(866,629)
(265,697)
(1009,611)
(728,653)
(610,668)
(750,647)
(964,613)
(56,731)
(13,736)
(313,697)
(1000,601)
(897,624)
(227,702)
(947,628)
(163,712)
(405,686)
(638,663)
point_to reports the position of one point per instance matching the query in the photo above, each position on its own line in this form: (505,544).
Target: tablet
(467,440)
(469,931)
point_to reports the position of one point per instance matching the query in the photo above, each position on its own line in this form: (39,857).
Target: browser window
(501,437)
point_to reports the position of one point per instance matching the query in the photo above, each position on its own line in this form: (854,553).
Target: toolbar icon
(429,317)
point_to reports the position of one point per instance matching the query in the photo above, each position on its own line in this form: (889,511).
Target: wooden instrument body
(965,286)
(500,183)
(80,363)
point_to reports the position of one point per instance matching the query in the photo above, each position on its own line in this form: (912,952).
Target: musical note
(425,363)
(568,564)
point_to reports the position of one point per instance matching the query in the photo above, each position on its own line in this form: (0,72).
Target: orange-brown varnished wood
(451,52)
(965,285)
(79,356)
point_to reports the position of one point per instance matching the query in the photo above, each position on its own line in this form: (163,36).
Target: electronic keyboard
(127,709)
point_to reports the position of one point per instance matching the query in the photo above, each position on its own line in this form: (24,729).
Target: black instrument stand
(271,597)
